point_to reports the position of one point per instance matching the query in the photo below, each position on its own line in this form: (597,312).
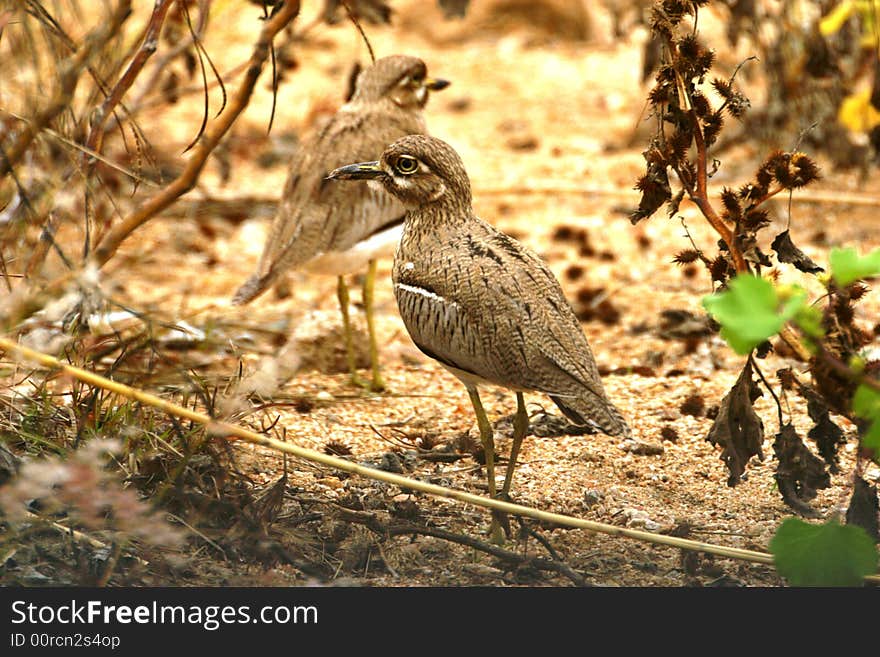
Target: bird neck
(435,220)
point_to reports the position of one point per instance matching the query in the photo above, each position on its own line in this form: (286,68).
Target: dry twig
(391,529)
(68,79)
(212,136)
(148,47)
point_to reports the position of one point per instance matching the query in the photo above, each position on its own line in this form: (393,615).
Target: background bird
(479,302)
(333,230)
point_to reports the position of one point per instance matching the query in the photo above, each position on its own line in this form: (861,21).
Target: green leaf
(752,310)
(866,404)
(871,439)
(823,555)
(847,266)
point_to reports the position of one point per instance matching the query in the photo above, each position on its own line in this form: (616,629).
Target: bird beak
(359,171)
(436,84)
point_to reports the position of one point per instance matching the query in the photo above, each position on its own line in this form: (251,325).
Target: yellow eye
(406,165)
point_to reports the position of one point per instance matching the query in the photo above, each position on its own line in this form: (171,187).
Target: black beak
(359,171)
(436,84)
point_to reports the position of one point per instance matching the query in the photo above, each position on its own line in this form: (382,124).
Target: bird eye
(406,165)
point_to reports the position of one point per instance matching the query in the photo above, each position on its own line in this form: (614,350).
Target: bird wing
(315,215)
(486,305)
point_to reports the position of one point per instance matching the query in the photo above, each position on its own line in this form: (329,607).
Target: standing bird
(479,302)
(330,230)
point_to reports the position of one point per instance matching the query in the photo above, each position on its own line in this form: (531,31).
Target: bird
(325,229)
(479,302)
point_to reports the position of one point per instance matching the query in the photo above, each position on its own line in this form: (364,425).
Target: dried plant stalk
(148,47)
(68,79)
(108,246)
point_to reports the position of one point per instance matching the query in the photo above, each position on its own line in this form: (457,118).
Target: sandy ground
(527,113)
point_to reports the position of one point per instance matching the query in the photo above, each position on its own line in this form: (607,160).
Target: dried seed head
(732,207)
(756,219)
(724,88)
(686,257)
(712,125)
(719,269)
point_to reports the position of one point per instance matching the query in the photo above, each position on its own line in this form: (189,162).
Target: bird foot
(496,533)
(376,384)
(499,530)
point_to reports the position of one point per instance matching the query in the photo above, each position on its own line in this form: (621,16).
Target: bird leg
(495,533)
(520,427)
(342,295)
(377,384)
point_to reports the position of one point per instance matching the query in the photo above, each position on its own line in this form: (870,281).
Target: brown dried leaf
(826,434)
(654,186)
(864,508)
(800,473)
(786,251)
(737,428)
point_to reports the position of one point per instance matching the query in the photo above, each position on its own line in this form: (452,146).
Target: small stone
(637,518)
(591,498)
(391,463)
(642,449)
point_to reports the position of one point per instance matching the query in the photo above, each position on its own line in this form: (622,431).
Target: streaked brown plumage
(477,300)
(337,230)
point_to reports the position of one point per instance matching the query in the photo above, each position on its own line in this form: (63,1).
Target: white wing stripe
(423,292)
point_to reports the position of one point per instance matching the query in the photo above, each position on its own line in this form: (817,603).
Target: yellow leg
(342,295)
(495,533)
(377,384)
(520,427)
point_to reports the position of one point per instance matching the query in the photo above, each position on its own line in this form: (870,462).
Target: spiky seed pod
(686,257)
(689,48)
(756,219)
(704,62)
(719,269)
(712,125)
(724,88)
(803,170)
(855,291)
(732,207)
(679,145)
(737,105)
(701,104)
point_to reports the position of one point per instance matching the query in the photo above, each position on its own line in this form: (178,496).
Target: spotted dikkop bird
(328,229)
(479,302)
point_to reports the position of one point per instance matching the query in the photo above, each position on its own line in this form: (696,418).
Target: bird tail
(252,288)
(601,414)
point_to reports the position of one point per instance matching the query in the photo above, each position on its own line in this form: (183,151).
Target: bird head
(401,78)
(418,170)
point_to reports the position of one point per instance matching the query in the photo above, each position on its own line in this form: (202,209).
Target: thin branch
(769,388)
(68,79)
(212,136)
(389,530)
(150,42)
(360,29)
(80,536)
(85,150)
(700,197)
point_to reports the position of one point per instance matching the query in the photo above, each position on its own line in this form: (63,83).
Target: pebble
(591,498)
(639,519)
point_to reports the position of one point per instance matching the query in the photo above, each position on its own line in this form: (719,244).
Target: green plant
(750,306)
